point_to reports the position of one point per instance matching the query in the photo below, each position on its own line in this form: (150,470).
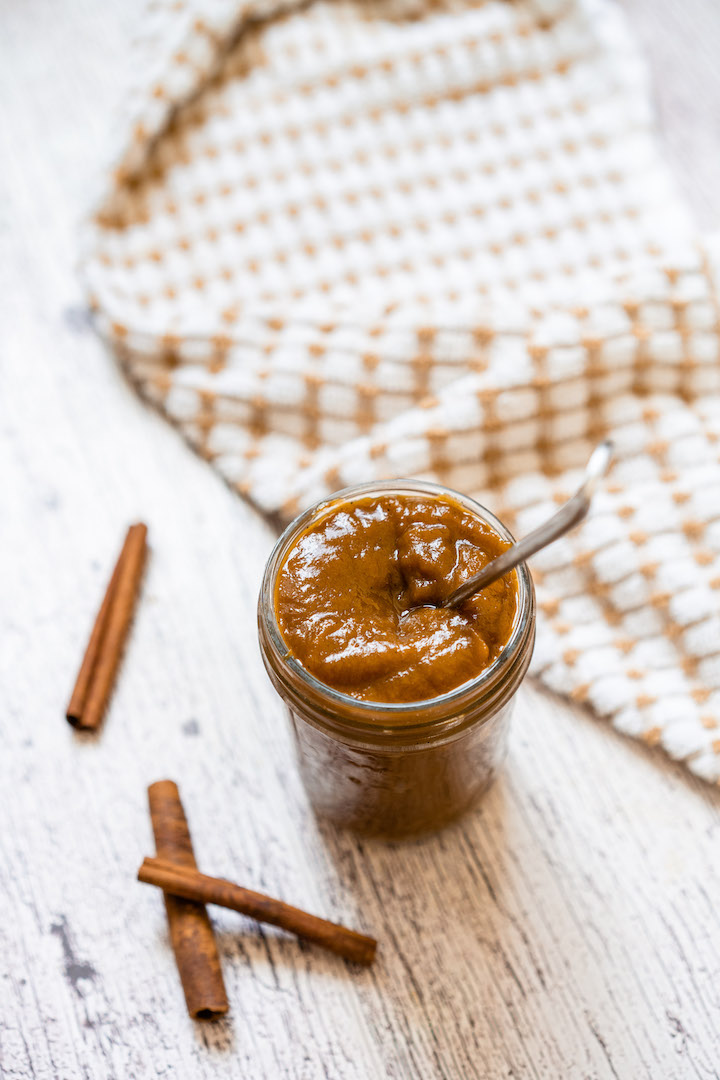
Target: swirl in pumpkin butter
(357,594)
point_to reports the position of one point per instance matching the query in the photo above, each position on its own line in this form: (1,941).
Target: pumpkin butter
(399,708)
(358,593)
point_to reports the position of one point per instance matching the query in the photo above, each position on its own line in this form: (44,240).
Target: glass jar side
(399,793)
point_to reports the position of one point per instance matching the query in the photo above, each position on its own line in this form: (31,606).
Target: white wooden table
(567,929)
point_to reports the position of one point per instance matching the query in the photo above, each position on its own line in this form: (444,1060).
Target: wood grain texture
(681,44)
(569,928)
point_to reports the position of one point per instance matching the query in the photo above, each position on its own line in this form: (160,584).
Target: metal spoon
(567,517)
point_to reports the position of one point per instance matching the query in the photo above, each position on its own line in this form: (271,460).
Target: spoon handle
(568,516)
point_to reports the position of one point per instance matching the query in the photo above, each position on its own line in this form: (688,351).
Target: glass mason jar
(396,770)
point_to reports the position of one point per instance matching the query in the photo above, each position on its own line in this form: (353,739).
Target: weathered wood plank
(569,928)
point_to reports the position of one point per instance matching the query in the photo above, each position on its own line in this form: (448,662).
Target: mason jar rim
(442,706)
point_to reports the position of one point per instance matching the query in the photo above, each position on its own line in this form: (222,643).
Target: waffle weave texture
(354,239)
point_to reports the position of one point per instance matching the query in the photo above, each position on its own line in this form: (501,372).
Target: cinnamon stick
(191,932)
(102,656)
(184,880)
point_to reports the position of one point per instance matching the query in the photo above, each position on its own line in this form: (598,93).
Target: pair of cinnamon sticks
(102,656)
(187,891)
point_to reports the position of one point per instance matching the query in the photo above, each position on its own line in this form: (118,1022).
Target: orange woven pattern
(347,241)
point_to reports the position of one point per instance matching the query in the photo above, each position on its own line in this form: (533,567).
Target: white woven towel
(354,239)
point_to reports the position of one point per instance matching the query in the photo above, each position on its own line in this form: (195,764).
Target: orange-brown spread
(357,597)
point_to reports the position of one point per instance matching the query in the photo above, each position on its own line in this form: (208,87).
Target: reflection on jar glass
(399,769)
